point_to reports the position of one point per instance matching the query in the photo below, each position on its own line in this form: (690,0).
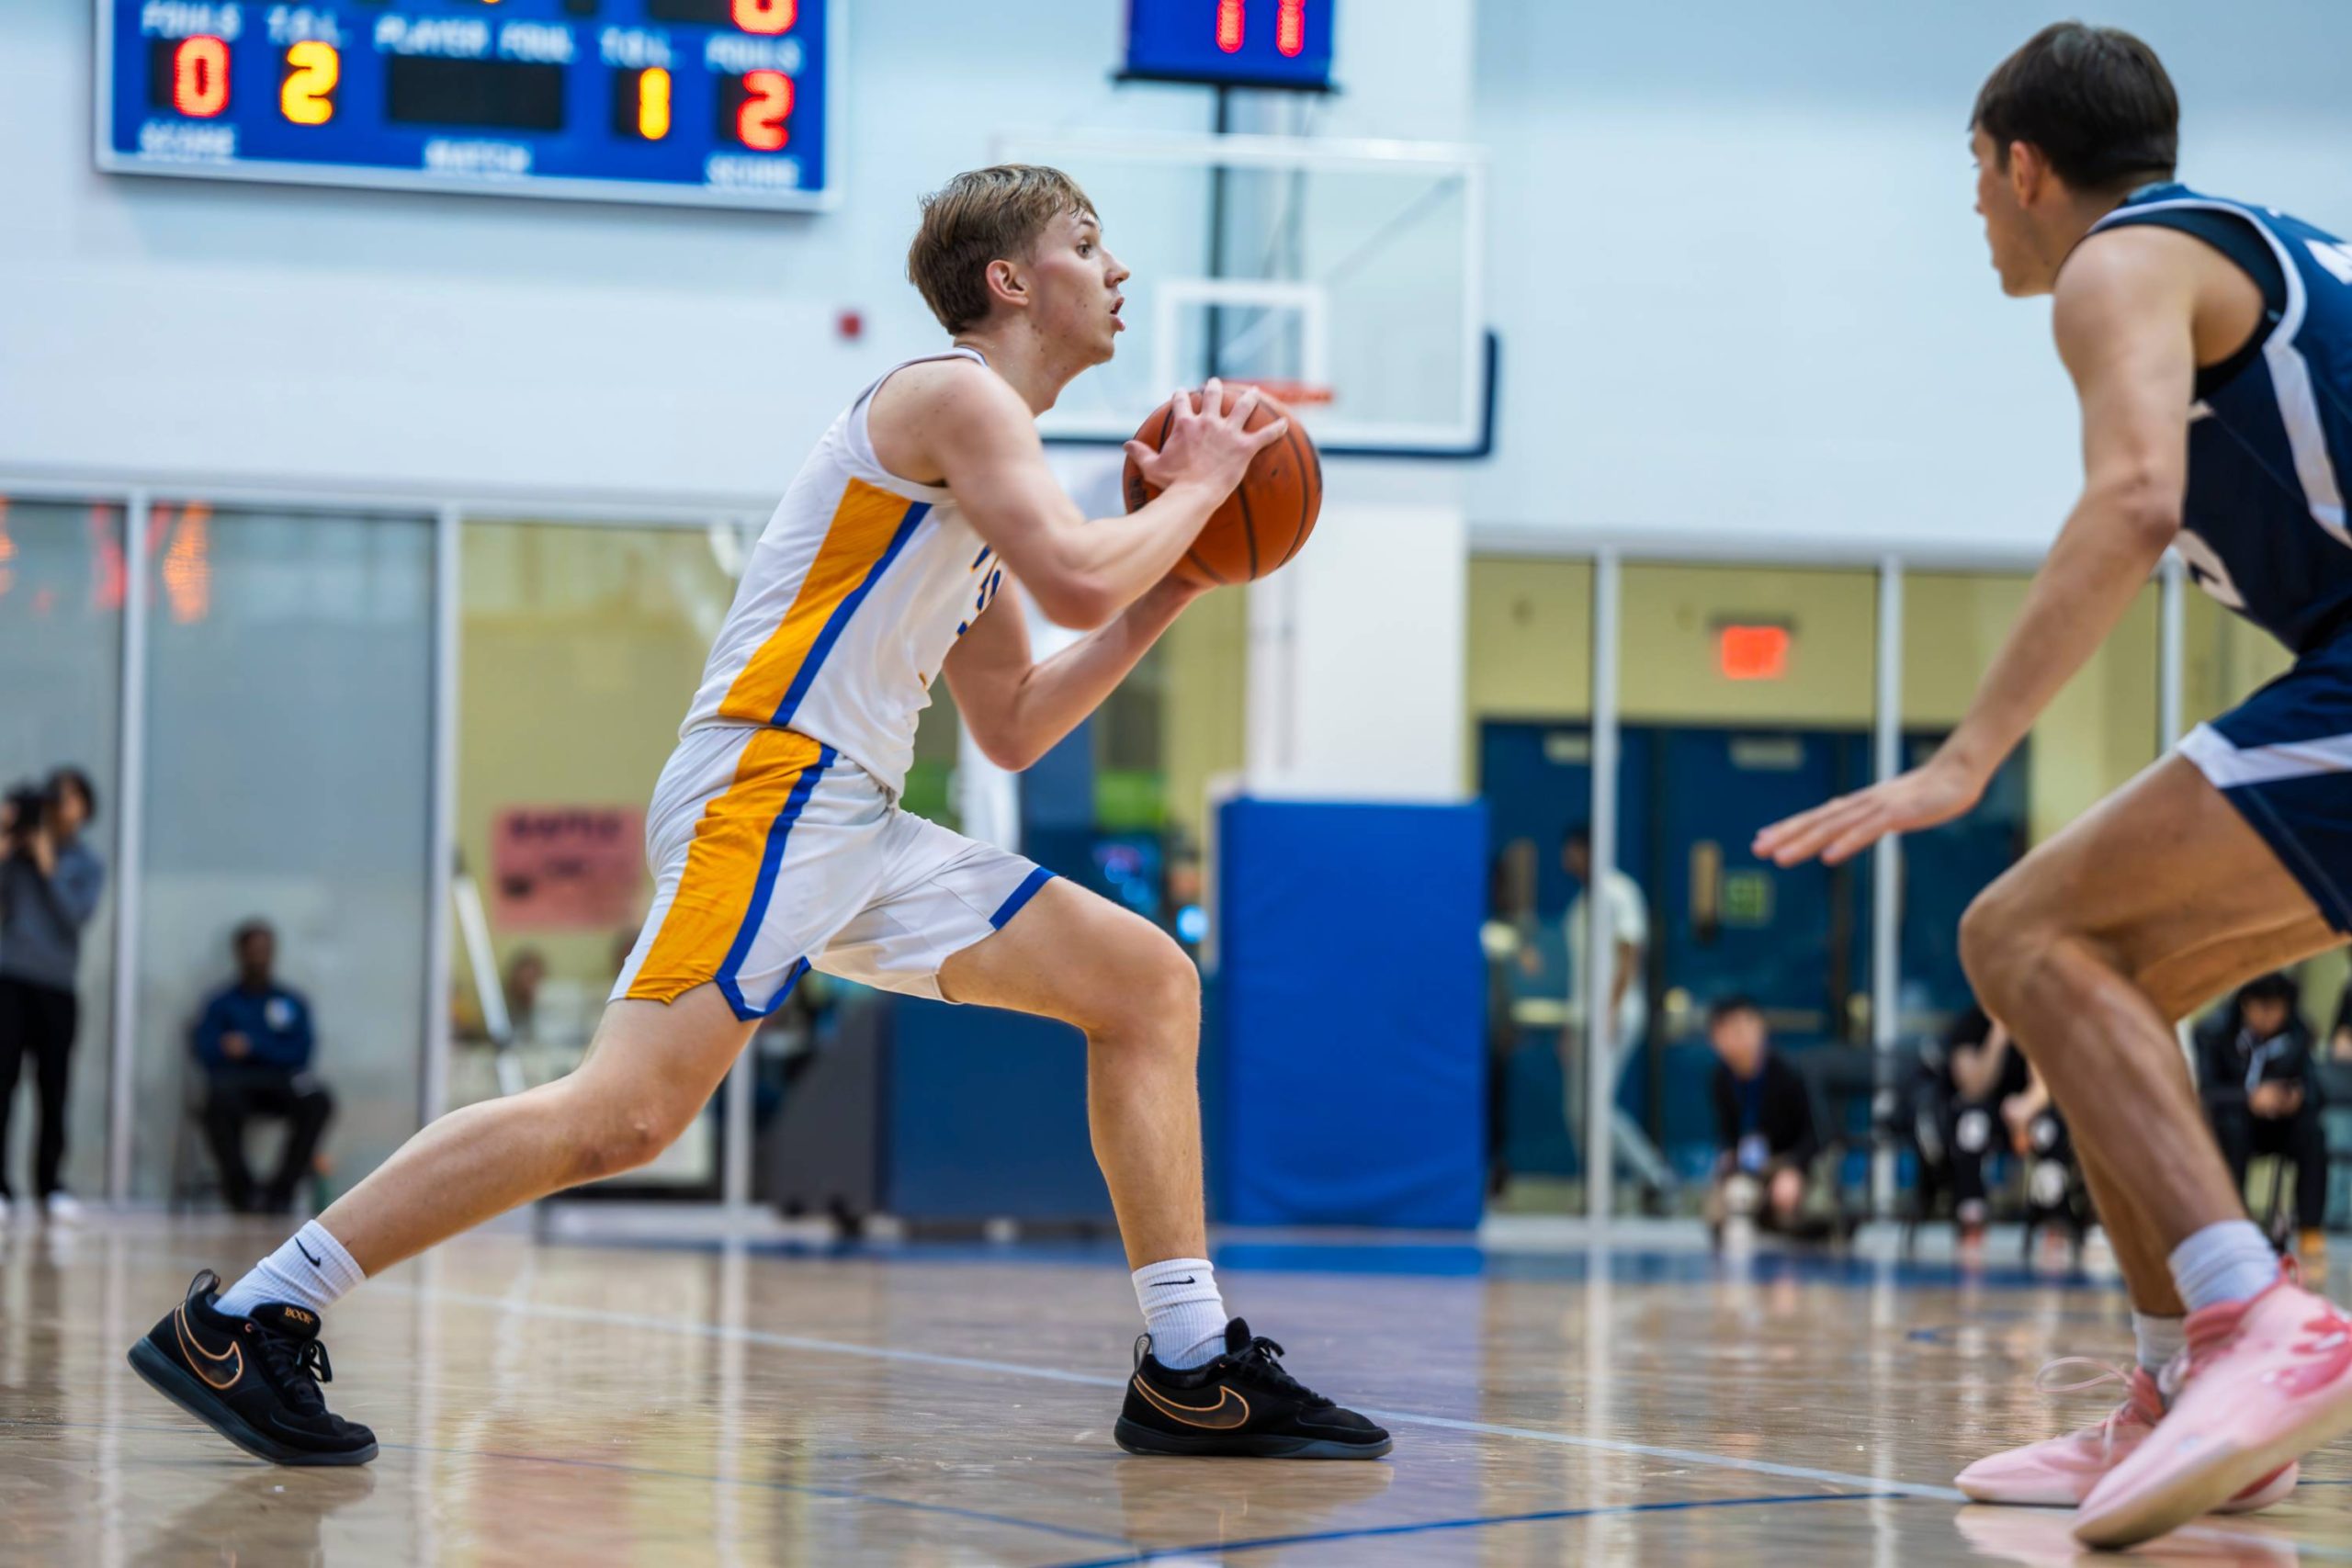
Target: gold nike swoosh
(1229,1411)
(235,1353)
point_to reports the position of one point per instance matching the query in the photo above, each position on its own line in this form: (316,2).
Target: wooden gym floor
(579,1404)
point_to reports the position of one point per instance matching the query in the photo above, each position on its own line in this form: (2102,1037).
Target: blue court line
(1267,1543)
(757,1484)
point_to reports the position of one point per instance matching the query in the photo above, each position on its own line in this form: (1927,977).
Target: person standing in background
(1622,907)
(49,886)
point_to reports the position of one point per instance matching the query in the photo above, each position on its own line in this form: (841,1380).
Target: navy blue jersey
(2270,432)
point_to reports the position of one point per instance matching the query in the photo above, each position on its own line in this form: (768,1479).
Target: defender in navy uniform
(2211,344)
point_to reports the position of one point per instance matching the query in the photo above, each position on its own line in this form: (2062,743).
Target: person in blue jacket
(255,1040)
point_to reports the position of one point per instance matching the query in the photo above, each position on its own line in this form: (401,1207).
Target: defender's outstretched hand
(1934,793)
(1206,441)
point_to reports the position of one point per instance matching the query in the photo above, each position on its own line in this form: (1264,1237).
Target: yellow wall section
(1204,681)
(579,649)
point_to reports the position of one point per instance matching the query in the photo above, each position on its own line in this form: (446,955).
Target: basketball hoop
(1294,394)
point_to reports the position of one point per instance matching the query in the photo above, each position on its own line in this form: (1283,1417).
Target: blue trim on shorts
(1020,897)
(771,860)
(2307,820)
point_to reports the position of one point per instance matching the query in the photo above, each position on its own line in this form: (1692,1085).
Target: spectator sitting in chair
(1763,1119)
(2255,1067)
(254,1041)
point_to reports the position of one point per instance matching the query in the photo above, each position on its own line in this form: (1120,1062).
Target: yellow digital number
(653,104)
(308,96)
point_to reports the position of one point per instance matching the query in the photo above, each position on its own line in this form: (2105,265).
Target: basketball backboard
(1342,276)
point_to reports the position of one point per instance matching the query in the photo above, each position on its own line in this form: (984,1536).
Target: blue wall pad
(1352,995)
(987,1117)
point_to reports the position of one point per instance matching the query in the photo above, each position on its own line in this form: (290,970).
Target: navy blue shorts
(2283,757)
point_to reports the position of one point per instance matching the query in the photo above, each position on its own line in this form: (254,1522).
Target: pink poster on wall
(566,867)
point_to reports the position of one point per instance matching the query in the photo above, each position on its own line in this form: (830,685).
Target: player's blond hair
(986,215)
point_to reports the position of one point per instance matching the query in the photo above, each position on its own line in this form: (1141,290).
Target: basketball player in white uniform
(778,844)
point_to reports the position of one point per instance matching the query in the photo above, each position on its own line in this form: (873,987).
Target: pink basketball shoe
(2268,1380)
(2061,1472)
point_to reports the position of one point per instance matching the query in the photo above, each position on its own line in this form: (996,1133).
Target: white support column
(441,826)
(1356,681)
(735,1112)
(130,793)
(1599,936)
(2171,611)
(1886,864)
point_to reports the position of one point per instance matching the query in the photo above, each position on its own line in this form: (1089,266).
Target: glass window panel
(61,642)
(580,647)
(289,773)
(1747,694)
(2099,731)
(1528,666)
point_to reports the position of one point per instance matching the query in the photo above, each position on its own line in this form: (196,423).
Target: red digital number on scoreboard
(755,110)
(200,77)
(765,15)
(1290,26)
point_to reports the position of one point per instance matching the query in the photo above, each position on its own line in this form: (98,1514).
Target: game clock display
(711,102)
(1231,43)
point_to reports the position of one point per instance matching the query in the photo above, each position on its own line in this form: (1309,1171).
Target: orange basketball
(1263,522)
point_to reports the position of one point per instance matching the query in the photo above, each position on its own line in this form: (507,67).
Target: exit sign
(1752,651)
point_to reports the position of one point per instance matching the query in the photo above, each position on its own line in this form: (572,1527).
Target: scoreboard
(712,103)
(1231,43)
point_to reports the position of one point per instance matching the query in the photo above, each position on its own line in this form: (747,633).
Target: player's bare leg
(2088,950)
(247,1362)
(1207,1387)
(1136,997)
(648,1073)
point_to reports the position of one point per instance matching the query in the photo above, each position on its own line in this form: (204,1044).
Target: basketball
(1267,518)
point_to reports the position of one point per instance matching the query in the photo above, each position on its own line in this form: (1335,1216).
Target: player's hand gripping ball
(1267,518)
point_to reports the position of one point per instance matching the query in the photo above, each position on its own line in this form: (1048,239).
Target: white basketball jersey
(859,585)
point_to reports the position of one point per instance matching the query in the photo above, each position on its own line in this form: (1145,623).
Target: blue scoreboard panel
(1231,43)
(711,102)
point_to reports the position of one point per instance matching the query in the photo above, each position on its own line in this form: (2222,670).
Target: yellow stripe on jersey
(868,527)
(721,879)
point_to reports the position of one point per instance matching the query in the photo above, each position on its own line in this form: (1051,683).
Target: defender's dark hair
(1577,833)
(1731,1006)
(2275,986)
(248,931)
(2095,100)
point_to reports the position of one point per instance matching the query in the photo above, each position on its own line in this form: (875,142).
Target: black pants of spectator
(237,1095)
(2301,1137)
(37,1021)
(1972,1132)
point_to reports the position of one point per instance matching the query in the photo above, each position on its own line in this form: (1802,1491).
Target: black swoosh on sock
(306,1254)
(1163,1284)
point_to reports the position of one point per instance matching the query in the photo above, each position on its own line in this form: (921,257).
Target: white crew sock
(1181,1311)
(2227,1261)
(311,1270)
(2159,1338)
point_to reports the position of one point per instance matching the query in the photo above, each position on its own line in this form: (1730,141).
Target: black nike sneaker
(253,1380)
(1242,1404)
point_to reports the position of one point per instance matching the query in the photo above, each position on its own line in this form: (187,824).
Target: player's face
(2003,215)
(1078,279)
